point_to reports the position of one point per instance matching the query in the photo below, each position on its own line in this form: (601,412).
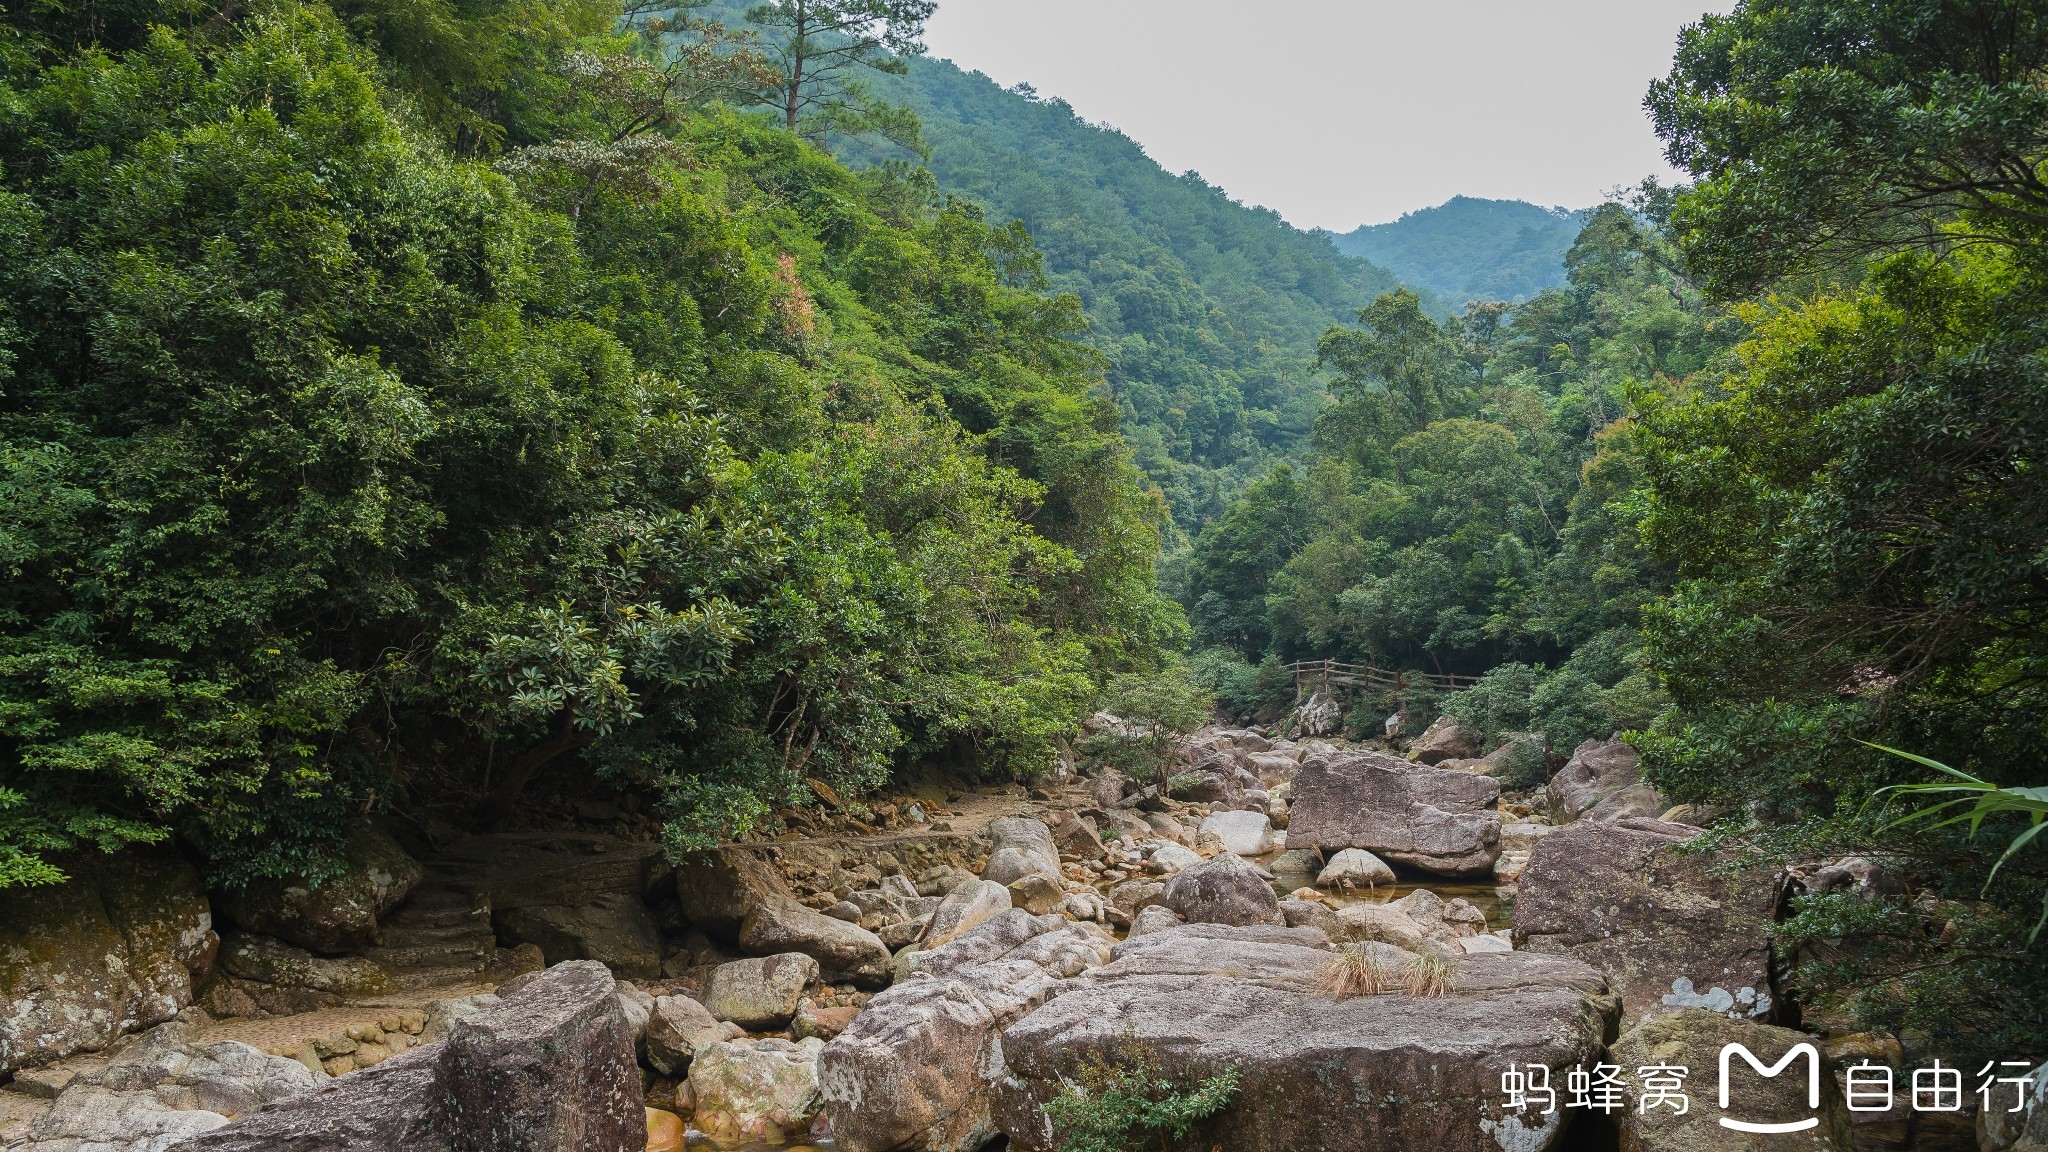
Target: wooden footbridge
(1367,676)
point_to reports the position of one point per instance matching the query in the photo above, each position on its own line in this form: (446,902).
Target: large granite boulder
(1222,890)
(760,993)
(1075,835)
(549,1068)
(1672,929)
(964,909)
(161,1089)
(1602,781)
(1244,833)
(1020,846)
(334,914)
(756,1090)
(910,1071)
(1390,1071)
(1693,1039)
(1354,868)
(1444,740)
(118,947)
(1435,819)
(718,887)
(614,929)
(677,1029)
(843,951)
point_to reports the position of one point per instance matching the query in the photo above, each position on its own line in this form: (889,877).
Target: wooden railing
(1337,672)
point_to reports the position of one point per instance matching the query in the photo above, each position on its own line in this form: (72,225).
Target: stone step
(407,955)
(438,931)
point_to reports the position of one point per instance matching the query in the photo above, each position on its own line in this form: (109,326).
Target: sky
(1337,113)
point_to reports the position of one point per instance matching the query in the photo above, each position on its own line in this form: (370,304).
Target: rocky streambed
(1372,947)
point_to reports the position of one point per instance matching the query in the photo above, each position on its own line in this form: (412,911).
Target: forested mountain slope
(1472,249)
(1208,310)
(398,421)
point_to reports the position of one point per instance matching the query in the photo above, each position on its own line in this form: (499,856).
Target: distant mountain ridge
(1468,248)
(1207,309)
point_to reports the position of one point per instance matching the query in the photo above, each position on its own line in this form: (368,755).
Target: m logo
(1812,1087)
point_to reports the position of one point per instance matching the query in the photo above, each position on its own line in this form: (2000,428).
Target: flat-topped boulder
(1435,819)
(1673,929)
(1388,1071)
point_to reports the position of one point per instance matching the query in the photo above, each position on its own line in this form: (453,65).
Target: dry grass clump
(1363,970)
(1432,976)
(1356,970)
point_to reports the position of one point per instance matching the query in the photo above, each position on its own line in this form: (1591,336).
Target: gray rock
(638,1008)
(843,951)
(547,1069)
(764,1090)
(1165,857)
(1132,896)
(338,914)
(1444,740)
(1108,791)
(1224,890)
(760,993)
(1298,861)
(908,1072)
(1036,894)
(1429,818)
(614,929)
(718,887)
(1355,868)
(1021,846)
(1152,919)
(1319,715)
(550,1069)
(1602,781)
(161,1089)
(1243,833)
(1204,998)
(270,961)
(2002,1130)
(676,1029)
(1670,929)
(442,1014)
(965,908)
(117,948)
(1075,836)
(1694,1038)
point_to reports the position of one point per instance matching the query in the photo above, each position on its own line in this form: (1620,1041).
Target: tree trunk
(503,798)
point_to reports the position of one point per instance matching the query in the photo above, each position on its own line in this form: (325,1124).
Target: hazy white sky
(1337,113)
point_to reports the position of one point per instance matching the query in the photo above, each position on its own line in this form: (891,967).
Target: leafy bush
(1127,1103)
(1157,708)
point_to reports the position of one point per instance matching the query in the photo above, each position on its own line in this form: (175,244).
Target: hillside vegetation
(392,414)
(1472,249)
(1207,310)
